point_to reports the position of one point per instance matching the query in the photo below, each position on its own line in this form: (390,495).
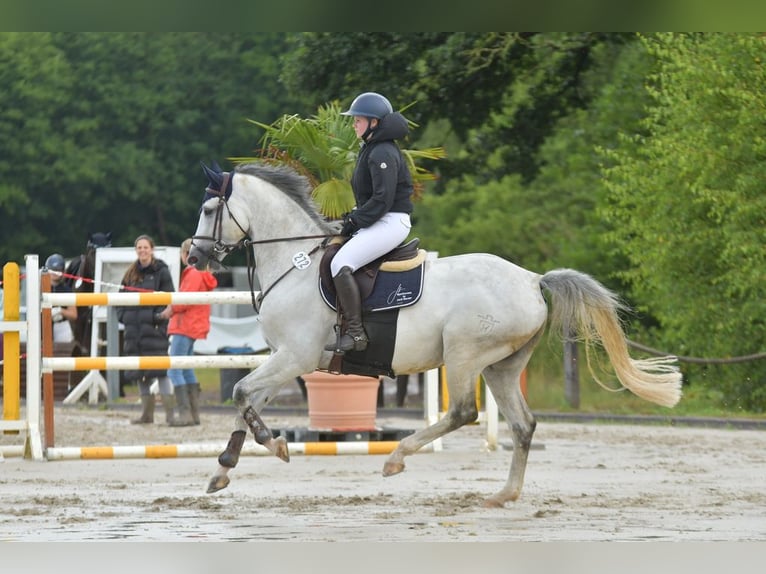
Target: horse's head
(218,229)
(99,239)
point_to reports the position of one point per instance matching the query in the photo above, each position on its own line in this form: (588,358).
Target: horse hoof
(218,483)
(493,502)
(280,448)
(392,468)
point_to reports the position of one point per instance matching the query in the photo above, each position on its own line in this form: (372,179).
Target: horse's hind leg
(462,410)
(503,379)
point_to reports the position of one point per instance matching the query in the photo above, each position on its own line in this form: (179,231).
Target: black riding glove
(349,226)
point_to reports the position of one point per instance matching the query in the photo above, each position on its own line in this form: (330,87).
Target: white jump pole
(327,448)
(93,382)
(50,364)
(150,298)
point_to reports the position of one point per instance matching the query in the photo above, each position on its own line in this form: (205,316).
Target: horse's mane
(289,182)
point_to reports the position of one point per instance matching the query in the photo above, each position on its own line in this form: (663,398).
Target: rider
(382,186)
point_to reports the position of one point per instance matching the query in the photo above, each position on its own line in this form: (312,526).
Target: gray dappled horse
(478,314)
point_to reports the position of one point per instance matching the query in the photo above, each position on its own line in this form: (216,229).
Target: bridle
(220,247)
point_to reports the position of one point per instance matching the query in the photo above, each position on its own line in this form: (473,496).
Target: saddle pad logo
(400,296)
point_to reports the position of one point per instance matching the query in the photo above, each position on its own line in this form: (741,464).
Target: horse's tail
(583,307)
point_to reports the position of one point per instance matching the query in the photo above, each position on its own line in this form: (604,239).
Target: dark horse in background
(80,273)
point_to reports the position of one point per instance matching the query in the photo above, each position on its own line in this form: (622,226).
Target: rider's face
(361,123)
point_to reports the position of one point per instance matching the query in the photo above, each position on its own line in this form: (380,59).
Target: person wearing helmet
(63,317)
(382,186)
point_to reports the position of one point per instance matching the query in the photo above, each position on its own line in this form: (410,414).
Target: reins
(259,300)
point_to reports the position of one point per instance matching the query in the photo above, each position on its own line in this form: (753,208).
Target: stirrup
(364,347)
(335,347)
(356,341)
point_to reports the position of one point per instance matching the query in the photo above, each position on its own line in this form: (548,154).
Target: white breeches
(371,242)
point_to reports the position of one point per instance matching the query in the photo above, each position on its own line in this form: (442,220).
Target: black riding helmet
(55,262)
(369,105)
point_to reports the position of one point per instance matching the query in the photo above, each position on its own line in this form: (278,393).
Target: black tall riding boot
(347,291)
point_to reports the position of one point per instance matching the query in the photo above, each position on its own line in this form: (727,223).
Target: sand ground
(584,482)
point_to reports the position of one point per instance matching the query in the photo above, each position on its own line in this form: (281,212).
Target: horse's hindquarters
(475,308)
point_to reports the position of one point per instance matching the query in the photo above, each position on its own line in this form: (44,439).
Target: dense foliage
(637,159)
(688,207)
(106,131)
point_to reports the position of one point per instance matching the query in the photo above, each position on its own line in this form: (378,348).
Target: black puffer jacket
(145,333)
(382,181)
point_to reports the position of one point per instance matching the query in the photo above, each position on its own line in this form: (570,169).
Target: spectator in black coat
(146,332)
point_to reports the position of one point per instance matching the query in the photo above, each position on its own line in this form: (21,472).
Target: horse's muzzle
(197,259)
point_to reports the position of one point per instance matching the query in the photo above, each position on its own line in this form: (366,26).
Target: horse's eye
(207,211)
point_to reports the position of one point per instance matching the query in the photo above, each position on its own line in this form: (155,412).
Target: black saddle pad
(392,290)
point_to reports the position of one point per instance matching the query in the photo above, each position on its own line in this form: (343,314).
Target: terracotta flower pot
(341,402)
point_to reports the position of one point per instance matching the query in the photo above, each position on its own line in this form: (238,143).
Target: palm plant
(323,147)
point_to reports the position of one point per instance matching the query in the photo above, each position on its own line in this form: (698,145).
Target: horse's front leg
(251,394)
(263,435)
(257,389)
(229,458)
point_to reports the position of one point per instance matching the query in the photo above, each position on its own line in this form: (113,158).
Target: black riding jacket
(382,181)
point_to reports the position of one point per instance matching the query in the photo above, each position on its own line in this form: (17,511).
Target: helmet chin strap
(368,132)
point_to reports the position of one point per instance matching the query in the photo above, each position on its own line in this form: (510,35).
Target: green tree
(549,220)
(499,93)
(106,131)
(162,103)
(688,208)
(34,146)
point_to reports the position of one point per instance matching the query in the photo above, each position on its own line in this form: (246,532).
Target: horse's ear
(209,173)
(214,177)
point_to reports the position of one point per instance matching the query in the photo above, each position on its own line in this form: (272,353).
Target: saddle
(386,284)
(402,258)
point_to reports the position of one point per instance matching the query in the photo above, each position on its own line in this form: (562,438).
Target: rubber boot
(184,408)
(194,391)
(147,411)
(168,403)
(347,291)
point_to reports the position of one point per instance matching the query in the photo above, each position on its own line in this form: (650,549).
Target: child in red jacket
(187,324)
